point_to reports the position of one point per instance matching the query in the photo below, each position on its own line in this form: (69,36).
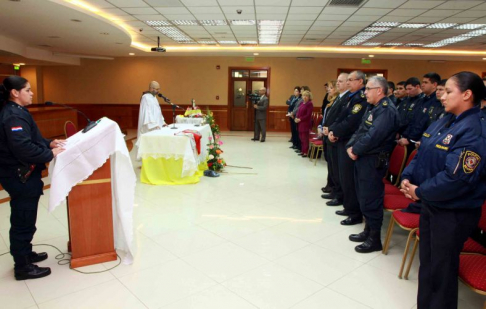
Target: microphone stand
(174,106)
(173,117)
(91,124)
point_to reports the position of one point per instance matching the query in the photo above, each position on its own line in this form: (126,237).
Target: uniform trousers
(24,201)
(370,189)
(260,126)
(333,166)
(346,179)
(295,134)
(330,183)
(443,233)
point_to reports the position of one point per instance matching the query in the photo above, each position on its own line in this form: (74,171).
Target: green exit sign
(16,68)
(249,59)
(365,61)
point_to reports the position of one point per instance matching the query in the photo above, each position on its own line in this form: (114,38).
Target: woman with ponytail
(23,155)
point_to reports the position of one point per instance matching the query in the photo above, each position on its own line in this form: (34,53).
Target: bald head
(154,87)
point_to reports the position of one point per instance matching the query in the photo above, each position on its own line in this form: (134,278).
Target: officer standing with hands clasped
(448,176)
(23,155)
(370,148)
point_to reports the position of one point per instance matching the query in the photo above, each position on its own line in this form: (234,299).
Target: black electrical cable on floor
(65,261)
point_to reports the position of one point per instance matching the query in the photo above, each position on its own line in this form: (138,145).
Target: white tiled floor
(252,238)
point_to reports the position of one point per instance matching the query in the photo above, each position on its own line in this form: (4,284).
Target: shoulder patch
(426,134)
(363,95)
(357,108)
(471,161)
(17,129)
(385,103)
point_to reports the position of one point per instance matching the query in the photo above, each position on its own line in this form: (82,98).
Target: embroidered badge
(471,161)
(441,147)
(363,95)
(385,103)
(411,107)
(16,129)
(356,108)
(426,135)
(370,117)
(447,139)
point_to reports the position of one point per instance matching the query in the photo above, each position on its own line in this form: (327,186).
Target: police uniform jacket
(21,142)
(377,131)
(393,99)
(407,110)
(437,112)
(422,117)
(289,103)
(350,117)
(448,166)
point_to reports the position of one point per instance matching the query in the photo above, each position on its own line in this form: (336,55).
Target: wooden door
(239,115)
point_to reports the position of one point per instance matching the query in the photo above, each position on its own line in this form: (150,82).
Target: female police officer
(447,175)
(23,154)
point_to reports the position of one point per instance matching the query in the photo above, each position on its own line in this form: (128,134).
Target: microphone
(167,100)
(91,124)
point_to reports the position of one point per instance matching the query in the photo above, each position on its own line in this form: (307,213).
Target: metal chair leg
(405,254)
(414,250)
(389,233)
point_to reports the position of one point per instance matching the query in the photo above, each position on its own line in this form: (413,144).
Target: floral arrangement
(193,111)
(215,162)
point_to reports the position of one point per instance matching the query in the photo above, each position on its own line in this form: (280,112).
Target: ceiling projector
(158,48)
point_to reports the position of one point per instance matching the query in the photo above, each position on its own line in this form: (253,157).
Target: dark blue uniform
(293,126)
(407,109)
(346,124)
(22,145)
(393,99)
(372,143)
(422,118)
(449,172)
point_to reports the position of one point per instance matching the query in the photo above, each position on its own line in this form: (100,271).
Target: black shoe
(361,237)
(292,147)
(371,244)
(262,141)
(37,257)
(297,150)
(327,196)
(31,271)
(342,213)
(334,202)
(352,221)
(254,139)
(326,190)
(290,140)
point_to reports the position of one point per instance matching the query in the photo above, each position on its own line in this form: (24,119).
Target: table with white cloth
(187,120)
(169,158)
(84,154)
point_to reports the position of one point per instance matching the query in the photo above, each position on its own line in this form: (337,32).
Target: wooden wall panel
(126,115)
(50,120)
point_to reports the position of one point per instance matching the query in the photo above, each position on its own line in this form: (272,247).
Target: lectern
(90,219)
(96,176)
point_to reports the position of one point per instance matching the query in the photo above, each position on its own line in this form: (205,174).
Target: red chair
(315,147)
(394,202)
(397,161)
(69,129)
(470,246)
(407,221)
(391,189)
(472,272)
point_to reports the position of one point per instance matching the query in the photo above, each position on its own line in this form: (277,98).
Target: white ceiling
(306,23)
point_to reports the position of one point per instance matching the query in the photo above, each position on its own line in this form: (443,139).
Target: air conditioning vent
(345,2)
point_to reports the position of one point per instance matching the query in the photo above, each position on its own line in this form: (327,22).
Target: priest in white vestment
(150,117)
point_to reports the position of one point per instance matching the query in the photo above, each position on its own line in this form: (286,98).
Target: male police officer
(340,132)
(408,111)
(370,147)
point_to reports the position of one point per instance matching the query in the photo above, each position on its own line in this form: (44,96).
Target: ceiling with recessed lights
(116,28)
(431,24)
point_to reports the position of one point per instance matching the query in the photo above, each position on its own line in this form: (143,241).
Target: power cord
(62,260)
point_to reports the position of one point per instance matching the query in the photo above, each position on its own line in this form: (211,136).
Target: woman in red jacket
(304,123)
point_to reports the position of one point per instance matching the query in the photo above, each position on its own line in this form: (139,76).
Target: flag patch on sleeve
(16,129)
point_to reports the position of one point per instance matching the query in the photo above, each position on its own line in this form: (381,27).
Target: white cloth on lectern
(84,154)
(150,115)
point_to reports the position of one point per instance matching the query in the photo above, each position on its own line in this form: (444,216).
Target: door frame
(230,79)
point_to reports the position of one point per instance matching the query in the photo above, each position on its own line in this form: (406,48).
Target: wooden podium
(90,219)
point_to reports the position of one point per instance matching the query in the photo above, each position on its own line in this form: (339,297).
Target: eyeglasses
(352,79)
(370,88)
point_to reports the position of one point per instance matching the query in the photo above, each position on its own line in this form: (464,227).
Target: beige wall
(122,80)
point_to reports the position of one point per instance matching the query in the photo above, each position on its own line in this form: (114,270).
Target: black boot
(26,270)
(373,243)
(37,257)
(361,236)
